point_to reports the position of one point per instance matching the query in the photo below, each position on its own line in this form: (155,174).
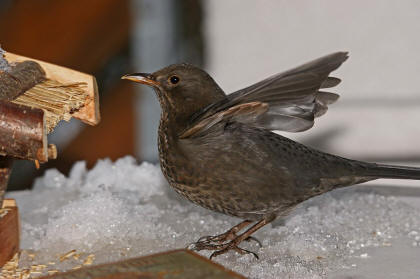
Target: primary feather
(292,97)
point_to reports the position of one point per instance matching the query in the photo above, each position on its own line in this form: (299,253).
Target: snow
(125,209)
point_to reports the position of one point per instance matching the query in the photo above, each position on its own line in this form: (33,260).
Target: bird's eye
(174,79)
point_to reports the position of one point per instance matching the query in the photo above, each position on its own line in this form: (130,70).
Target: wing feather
(245,113)
(288,101)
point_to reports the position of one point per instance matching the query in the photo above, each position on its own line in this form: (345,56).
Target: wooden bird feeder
(34,97)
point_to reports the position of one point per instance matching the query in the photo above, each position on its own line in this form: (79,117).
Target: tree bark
(20,78)
(23,132)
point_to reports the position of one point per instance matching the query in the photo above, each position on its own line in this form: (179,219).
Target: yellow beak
(142,78)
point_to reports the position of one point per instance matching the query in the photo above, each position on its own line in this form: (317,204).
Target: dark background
(95,37)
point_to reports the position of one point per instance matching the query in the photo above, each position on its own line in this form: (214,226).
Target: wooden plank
(90,111)
(9,231)
(9,203)
(176,264)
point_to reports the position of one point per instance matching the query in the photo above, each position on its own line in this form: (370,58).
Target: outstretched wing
(292,99)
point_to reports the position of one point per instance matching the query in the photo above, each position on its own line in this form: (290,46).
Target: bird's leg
(233,244)
(228,235)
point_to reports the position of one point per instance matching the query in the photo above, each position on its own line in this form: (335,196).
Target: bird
(219,150)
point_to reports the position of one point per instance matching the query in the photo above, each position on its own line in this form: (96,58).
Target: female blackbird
(218,150)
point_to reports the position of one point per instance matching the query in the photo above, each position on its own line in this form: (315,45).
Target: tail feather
(394,172)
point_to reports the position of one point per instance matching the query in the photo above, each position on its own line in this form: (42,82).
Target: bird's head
(182,89)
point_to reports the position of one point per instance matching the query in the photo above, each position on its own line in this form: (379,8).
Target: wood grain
(19,78)
(90,111)
(9,231)
(176,264)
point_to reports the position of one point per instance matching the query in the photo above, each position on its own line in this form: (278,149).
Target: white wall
(378,114)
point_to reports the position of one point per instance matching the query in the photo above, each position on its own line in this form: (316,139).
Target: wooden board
(177,264)
(90,112)
(9,231)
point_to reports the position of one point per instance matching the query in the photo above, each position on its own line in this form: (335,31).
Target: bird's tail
(394,172)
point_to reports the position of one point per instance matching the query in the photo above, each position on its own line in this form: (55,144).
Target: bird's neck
(175,121)
(176,114)
(172,125)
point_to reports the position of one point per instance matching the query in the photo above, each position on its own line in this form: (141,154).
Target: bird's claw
(229,240)
(251,238)
(208,243)
(217,239)
(212,238)
(192,247)
(233,246)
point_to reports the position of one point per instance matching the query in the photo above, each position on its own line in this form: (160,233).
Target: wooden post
(9,231)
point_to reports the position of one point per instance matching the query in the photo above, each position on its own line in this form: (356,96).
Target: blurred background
(238,42)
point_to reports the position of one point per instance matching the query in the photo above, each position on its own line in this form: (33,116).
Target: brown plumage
(218,150)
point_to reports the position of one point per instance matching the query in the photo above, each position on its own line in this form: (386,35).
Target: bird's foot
(232,246)
(206,245)
(217,239)
(222,238)
(226,236)
(223,243)
(221,248)
(230,240)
